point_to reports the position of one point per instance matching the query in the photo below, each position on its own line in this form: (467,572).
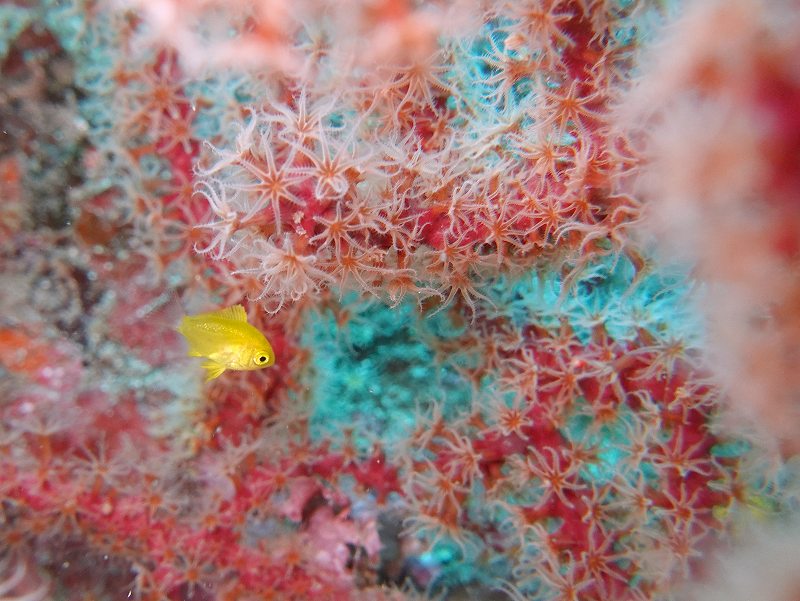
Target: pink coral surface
(516,169)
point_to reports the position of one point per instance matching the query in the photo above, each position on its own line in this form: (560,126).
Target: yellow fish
(226,339)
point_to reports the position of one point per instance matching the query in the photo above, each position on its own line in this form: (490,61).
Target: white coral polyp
(287,276)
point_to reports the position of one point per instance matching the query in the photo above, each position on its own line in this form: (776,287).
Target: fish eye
(262,359)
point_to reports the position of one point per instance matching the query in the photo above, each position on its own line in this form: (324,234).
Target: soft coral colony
(483,380)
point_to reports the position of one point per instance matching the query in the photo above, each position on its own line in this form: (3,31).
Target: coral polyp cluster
(489,155)
(448,218)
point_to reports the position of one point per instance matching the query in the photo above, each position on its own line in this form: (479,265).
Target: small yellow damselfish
(226,339)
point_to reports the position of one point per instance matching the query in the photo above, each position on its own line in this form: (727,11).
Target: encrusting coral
(448,220)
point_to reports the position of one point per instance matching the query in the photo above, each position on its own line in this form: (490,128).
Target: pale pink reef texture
(529,269)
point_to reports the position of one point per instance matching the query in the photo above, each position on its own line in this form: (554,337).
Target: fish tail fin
(214,370)
(187,331)
(199,345)
(162,309)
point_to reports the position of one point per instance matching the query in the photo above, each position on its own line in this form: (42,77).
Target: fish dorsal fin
(235,313)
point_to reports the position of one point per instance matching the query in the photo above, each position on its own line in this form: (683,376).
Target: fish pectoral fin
(214,370)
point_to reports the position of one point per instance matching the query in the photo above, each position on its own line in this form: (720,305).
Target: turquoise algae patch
(375,372)
(604,293)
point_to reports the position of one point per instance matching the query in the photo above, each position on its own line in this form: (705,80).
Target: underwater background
(529,269)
